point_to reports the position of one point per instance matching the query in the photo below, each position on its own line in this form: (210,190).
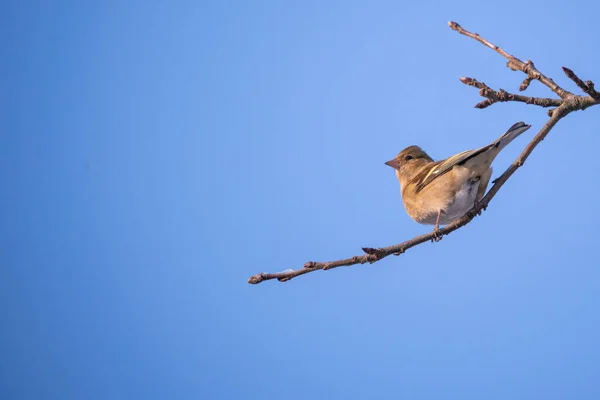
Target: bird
(439,192)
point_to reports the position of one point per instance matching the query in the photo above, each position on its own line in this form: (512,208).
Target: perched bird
(438,192)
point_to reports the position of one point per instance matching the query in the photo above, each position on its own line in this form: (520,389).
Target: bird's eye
(408,158)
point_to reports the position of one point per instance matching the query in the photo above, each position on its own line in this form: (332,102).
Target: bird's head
(409,162)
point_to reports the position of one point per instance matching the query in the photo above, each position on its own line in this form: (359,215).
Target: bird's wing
(441,167)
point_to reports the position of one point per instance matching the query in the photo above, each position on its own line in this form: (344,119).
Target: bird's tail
(511,134)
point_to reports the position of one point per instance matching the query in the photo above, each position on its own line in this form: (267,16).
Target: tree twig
(514,63)
(587,87)
(502,96)
(565,104)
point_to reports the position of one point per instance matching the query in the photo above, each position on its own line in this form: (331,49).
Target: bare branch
(503,96)
(372,255)
(567,103)
(514,63)
(587,87)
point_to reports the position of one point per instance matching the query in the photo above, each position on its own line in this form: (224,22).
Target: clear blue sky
(154,155)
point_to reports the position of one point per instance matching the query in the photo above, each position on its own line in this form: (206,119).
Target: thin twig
(587,87)
(503,96)
(514,63)
(567,103)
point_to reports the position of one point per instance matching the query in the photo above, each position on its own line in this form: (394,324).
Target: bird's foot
(437,235)
(482,209)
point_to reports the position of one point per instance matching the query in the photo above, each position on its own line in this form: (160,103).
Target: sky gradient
(154,155)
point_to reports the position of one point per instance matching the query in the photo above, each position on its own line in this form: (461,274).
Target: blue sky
(155,155)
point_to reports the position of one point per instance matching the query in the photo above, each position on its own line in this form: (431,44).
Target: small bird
(438,192)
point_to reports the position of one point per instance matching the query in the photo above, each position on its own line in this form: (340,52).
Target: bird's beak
(393,163)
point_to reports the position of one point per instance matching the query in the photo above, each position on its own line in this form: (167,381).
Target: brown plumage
(438,192)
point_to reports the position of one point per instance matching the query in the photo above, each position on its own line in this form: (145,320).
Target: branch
(515,64)
(565,104)
(502,96)
(587,87)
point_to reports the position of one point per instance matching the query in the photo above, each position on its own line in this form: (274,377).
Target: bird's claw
(437,235)
(481,210)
